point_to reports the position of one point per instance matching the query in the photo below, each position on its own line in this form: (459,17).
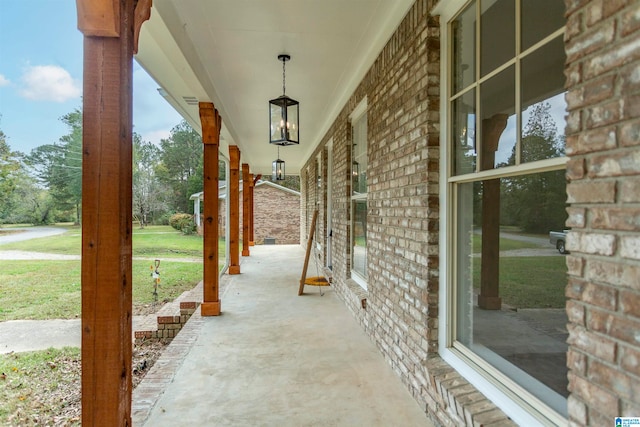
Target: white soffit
(225,51)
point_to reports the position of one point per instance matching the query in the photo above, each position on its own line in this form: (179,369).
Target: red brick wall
(276,214)
(603,170)
(401,316)
(603,135)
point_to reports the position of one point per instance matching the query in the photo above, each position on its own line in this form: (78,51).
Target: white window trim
(522,408)
(329,206)
(360,109)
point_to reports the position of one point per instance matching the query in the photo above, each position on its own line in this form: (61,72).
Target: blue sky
(41,76)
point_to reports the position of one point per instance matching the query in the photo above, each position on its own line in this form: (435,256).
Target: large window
(505,193)
(359,162)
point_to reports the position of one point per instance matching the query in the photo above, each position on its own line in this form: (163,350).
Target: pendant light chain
(283,86)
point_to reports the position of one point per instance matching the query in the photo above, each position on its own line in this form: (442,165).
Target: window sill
(358,294)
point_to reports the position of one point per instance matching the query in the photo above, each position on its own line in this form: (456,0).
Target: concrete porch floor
(274,358)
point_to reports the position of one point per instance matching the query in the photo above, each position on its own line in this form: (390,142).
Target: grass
(530,282)
(37,386)
(505,244)
(156,241)
(51,289)
(164,241)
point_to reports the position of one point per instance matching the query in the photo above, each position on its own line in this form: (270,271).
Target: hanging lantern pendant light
(284,115)
(277,170)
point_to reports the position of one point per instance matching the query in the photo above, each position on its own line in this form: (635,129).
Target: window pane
(511,280)
(463,32)
(360,237)
(540,18)
(464,134)
(497,34)
(497,107)
(543,103)
(359,159)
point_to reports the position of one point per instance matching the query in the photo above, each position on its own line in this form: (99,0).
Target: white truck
(558,239)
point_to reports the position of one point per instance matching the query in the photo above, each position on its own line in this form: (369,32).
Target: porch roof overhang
(225,52)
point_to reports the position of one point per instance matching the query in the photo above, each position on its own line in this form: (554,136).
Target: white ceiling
(225,52)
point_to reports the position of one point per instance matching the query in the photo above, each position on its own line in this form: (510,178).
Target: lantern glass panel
(283,121)
(278,171)
(292,120)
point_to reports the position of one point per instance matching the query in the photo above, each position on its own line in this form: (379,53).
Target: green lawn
(51,289)
(530,282)
(156,241)
(505,244)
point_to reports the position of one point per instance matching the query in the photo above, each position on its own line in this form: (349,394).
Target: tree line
(45,185)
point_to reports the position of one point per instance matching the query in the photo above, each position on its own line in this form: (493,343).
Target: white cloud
(155,136)
(49,83)
(3,81)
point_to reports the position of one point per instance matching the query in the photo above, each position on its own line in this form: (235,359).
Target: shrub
(163,219)
(183,222)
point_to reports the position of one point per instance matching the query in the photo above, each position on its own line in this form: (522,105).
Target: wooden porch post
(233,198)
(489,297)
(246,208)
(110,29)
(251,211)
(211,123)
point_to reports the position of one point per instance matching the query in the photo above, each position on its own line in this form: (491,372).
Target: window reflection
(464,133)
(540,18)
(498,109)
(497,34)
(510,301)
(543,103)
(464,45)
(360,238)
(359,160)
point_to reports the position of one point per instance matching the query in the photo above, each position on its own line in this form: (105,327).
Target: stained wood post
(251,210)
(211,123)
(233,198)
(110,29)
(489,297)
(246,209)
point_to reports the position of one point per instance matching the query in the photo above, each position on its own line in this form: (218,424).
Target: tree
(149,194)
(536,203)
(181,158)
(59,166)
(32,204)
(9,168)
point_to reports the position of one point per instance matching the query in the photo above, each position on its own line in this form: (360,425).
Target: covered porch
(274,358)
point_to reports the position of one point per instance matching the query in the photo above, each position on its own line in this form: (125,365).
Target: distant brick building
(276,212)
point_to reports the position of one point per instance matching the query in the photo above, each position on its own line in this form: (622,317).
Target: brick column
(233,198)
(110,33)
(211,123)
(603,172)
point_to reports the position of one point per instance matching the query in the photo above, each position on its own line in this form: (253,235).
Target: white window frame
(357,114)
(520,405)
